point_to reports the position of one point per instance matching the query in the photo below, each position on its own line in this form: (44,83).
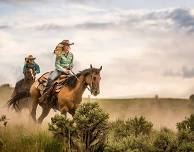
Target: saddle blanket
(57,84)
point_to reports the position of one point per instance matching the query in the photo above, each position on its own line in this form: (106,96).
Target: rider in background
(30,63)
(63,65)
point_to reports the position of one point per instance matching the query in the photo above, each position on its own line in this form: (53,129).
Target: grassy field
(132,135)
(23,138)
(20,135)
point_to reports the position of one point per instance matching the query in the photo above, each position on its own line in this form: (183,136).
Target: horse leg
(33,111)
(72,112)
(45,112)
(35,94)
(63,110)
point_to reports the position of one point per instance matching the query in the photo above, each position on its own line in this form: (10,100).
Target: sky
(145,46)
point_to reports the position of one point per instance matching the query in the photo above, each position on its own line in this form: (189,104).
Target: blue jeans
(54,75)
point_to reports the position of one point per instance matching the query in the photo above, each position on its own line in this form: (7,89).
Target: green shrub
(63,130)
(186,147)
(185,136)
(86,132)
(187,124)
(62,127)
(139,126)
(131,143)
(92,126)
(119,130)
(165,141)
(136,126)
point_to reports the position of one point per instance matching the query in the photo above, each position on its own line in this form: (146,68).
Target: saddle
(56,84)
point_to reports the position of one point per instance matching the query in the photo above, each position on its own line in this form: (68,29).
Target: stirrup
(43,97)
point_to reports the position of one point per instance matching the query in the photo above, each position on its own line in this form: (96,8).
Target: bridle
(32,73)
(91,85)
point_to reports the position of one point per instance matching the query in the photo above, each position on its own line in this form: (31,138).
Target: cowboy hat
(66,42)
(30,57)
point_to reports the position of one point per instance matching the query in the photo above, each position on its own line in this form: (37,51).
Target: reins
(79,80)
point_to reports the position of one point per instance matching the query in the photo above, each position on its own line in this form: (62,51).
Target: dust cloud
(163,112)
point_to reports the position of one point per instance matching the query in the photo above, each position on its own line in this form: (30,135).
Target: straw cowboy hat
(60,46)
(29,57)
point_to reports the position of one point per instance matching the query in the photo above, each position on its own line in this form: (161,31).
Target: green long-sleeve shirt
(64,61)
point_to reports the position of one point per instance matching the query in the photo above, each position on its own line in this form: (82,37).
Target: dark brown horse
(70,95)
(21,95)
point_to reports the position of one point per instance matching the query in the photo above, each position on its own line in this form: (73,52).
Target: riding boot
(46,92)
(45,96)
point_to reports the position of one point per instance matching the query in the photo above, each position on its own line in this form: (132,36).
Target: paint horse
(70,95)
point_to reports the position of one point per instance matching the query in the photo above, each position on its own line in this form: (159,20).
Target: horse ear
(100,68)
(91,66)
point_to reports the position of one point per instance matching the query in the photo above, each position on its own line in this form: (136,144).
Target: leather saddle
(56,84)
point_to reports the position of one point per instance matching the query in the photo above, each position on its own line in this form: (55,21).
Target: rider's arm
(24,68)
(58,64)
(71,64)
(37,68)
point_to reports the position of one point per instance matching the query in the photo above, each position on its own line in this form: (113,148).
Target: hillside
(5,93)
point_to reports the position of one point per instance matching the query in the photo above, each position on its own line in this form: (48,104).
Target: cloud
(85,26)
(188,72)
(22,2)
(94,25)
(183,19)
(3,27)
(50,27)
(177,19)
(185,72)
(172,73)
(15,2)
(141,51)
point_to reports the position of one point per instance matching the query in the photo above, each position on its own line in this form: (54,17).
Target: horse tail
(14,101)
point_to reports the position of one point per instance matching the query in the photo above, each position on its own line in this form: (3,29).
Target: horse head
(30,74)
(93,80)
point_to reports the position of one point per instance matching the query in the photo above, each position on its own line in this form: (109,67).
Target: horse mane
(72,80)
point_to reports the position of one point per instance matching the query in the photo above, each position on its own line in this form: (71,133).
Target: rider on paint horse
(63,65)
(30,63)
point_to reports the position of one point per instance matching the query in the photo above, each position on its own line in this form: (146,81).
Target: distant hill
(163,112)
(5,92)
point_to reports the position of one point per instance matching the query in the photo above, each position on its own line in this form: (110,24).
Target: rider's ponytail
(59,49)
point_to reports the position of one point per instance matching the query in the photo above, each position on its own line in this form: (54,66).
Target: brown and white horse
(70,95)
